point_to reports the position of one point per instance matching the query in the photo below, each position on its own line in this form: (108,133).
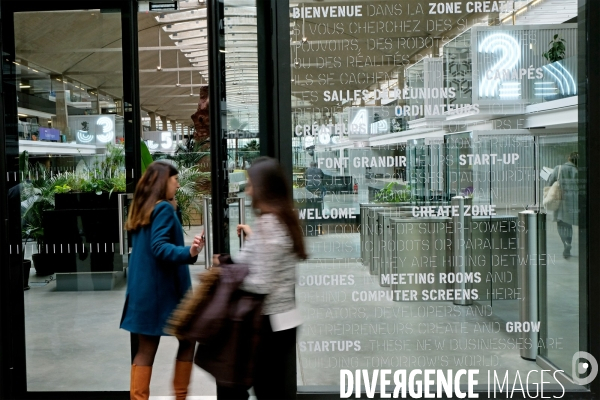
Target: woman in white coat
(272,249)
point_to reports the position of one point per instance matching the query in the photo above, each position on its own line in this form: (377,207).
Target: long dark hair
(272,193)
(150,189)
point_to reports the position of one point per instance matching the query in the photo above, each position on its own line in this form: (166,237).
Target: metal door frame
(13,373)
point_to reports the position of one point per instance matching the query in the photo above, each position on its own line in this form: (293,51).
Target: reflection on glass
(72,168)
(397,268)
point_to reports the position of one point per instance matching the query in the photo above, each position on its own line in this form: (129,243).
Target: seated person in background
(314,180)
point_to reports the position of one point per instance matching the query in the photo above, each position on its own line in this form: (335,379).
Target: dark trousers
(565,231)
(231,393)
(275,368)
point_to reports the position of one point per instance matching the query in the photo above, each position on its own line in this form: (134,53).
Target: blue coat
(158,273)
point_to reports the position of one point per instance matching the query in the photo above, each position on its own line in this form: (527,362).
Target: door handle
(121,200)
(207,221)
(242,218)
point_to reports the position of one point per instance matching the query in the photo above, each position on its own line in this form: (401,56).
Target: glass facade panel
(425,137)
(72,170)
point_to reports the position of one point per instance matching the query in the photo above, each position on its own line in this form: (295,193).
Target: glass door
(71,156)
(236,130)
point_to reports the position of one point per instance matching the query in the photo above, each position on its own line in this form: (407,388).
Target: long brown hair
(151,188)
(272,193)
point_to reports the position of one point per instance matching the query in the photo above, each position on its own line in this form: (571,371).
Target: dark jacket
(227,328)
(158,273)
(314,178)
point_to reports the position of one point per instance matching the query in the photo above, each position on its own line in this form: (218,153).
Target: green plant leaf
(145,156)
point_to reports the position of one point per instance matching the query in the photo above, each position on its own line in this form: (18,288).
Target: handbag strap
(559,168)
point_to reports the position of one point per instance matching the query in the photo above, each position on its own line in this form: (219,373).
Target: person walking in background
(158,276)
(271,251)
(314,180)
(568,211)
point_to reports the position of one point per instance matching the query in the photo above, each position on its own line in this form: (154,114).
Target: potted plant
(94,187)
(557,50)
(48,205)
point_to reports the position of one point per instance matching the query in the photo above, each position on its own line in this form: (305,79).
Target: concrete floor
(74,343)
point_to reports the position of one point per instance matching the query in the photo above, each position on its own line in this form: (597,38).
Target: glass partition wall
(72,169)
(425,135)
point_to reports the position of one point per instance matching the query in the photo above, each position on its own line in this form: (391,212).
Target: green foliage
(187,154)
(38,192)
(557,49)
(146,156)
(389,194)
(253,145)
(62,189)
(188,196)
(191,178)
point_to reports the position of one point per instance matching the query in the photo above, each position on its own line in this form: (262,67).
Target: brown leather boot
(181,379)
(139,388)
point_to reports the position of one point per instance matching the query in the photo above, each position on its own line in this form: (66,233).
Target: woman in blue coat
(158,275)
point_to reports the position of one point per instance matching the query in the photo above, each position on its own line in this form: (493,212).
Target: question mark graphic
(509,47)
(107,127)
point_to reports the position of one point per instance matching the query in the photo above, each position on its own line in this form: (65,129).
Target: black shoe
(567,251)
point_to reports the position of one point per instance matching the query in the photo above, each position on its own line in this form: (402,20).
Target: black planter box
(81,232)
(85,201)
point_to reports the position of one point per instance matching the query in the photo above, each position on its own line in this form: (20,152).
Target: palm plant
(37,196)
(188,196)
(186,154)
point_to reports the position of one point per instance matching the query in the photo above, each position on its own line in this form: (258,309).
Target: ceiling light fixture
(191,84)
(159,67)
(178,84)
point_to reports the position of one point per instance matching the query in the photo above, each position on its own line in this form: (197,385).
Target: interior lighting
(509,48)
(560,77)
(521,10)
(178,84)
(570,80)
(159,67)
(560,81)
(191,84)
(22,115)
(25,86)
